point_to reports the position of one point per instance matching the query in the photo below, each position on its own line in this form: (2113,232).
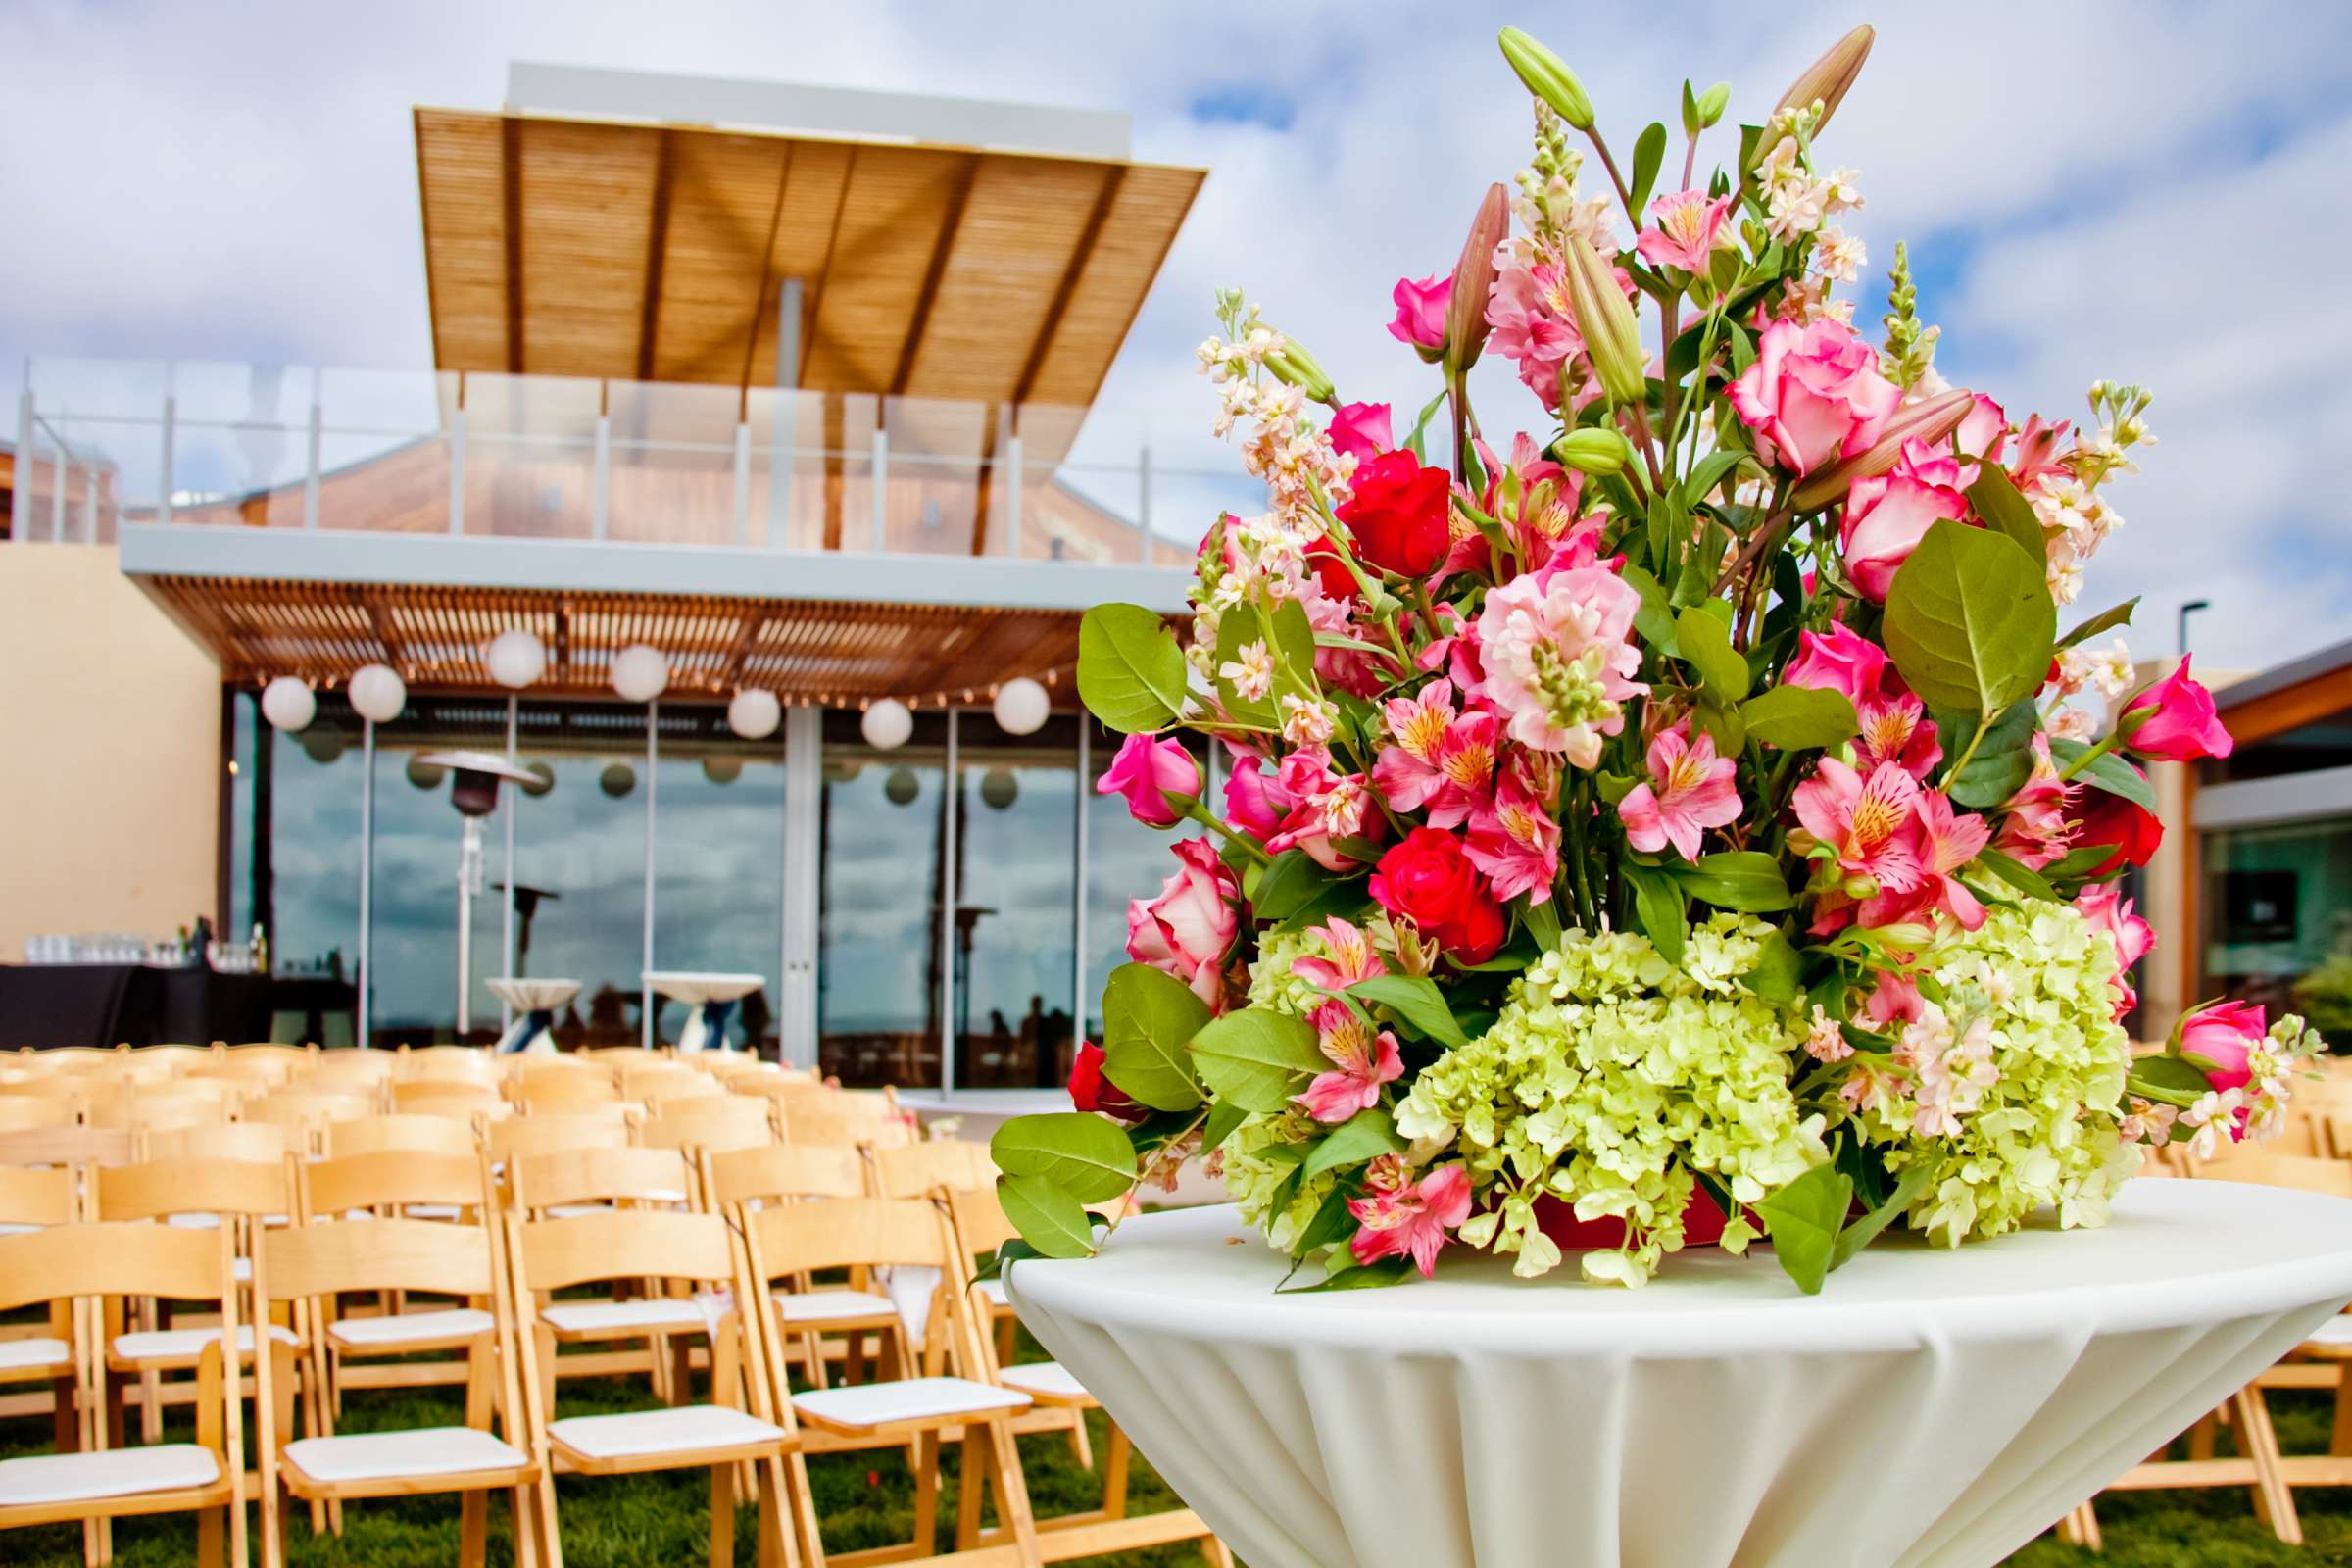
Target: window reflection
(412,992)
(879,905)
(1016,885)
(2279,919)
(579,852)
(718,864)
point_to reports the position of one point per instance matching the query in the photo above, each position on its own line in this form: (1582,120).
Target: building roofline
(2294,672)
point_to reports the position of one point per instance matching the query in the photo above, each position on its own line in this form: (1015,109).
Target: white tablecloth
(526,995)
(1929,1408)
(700,988)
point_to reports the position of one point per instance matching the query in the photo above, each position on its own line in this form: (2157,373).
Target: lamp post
(474,793)
(2188,609)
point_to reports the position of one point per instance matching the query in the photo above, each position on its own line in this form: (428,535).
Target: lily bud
(1612,339)
(1548,77)
(1711,104)
(1595,449)
(1295,367)
(1930,421)
(1826,80)
(1474,279)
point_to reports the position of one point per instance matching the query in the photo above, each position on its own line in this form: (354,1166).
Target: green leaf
(1223,1118)
(1131,674)
(1707,648)
(1864,1231)
(2003,762)
(1654,621)
(1149,1020)
(2167,1077)
(1048,1217)
(1291,881)
(1996,500)
(1088,1156)
(1745,880)
(1649,151)
(1970,620)
(2080,861)
(1254,1057)
(1541,921)
(1009,1251)
(2107,771)
(2105,620)
(1709,472)
(1778,973)
(1332,1223)
(1416,999)
(1803,1219)
(1390,1270)
(2018,875)
(1414,442)
(1241,626)
(1355,1141)
(1796,718)
(1661,906)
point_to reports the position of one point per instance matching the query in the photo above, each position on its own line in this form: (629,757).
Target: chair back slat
(159,1187)
(555,1254)
(385,1254)
(779,1172)
(130,1258)
(915,1169)
(389,1177)
(599,1176)
(843,1233)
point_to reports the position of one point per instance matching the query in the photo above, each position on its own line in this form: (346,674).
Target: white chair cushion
(576,1211)
(993,1292)
(812,1307)
(425,1451)
(2338,1330)
(12,1228)
(1047,1380)
(432,1211)
(677,1429)
(48,1478)
(874,1405)
(205,1220)
(405,1327)
(16,1355)
(606,1317)
(168,1344)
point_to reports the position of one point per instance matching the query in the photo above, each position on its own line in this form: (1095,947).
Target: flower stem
(2088,758)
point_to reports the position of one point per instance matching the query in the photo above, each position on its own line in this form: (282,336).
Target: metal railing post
(310,479)
(743,482)
(456,472)
(20,528)
(89,511)
(1013,498)
(950,798)
(880,480)
(1083,848)
(162,509)
(604,476)
(1143,507)
(57,489)
(781,439)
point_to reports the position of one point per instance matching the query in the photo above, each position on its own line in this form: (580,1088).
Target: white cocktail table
(714,996)
(534,1002)
(1927,1408)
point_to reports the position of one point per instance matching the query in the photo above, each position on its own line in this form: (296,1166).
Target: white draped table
(534,1002)
(713,998)
(1927,1408)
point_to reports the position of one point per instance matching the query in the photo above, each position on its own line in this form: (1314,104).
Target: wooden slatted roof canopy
(582,247)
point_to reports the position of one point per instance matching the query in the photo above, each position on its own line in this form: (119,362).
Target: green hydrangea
(1271,983)
(2030,993)
(1610,1077)
(1259,1159)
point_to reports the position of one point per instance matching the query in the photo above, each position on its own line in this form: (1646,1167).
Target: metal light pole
(2186,610)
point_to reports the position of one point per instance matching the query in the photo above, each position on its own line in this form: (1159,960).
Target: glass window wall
(879,901)
(1017,889)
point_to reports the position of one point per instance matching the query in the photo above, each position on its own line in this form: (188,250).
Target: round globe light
(516,659)
(323,743)
(378,693)
(722,768)
(902,787)
(1022,707)
(639,673)
(617,780)
(999,789)
(544,775)
(887,724)
(423,774)
(287,704)
(754,714)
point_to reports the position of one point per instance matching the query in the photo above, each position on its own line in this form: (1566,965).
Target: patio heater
(473,791)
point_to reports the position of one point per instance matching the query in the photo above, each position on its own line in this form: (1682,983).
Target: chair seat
(424,1451)
(812,1307)
(1050,1381)
(432,1211)
(206,1221)
(404,1328)
(880,1404)
(14,1228)
(608,1317)
(2336,1330)
(18,1356)
(172,1344)
(680,1429)
(50,1477)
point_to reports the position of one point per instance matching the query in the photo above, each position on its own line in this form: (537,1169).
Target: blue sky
(2141,191)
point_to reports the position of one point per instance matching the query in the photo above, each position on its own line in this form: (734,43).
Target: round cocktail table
(534,1002)
(714,996)
(1927,1408)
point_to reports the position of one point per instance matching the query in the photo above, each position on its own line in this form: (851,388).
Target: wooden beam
(745,636)
(656,245)
(424,207)
(2273,713)
(951,219)
(510,134)
(1112,179)
(381,619)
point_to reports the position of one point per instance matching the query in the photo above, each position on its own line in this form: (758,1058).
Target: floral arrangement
(1684,823)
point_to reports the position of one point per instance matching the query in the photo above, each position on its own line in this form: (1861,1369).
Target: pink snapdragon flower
(1689,231)
(1887,515)
(1255,803)
(1814,393)
(1189,928)
(1837,661)
(1148,769)
(1362,430)
(2173,722)
(1689,790)
(1361,1061)
(2226,1034)
(1559,657)
(1436,758)
(1407,1218)
(1867,822)
(2104,905)
(1421,313)
(1514,841)
(1351,958)
(1895,729)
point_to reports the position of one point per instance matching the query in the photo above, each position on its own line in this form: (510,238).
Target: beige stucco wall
(110,752)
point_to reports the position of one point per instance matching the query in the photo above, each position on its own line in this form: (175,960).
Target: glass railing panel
(671,477)
(384,449)
(820,494)
(530,455)
(240,442)
(942,462)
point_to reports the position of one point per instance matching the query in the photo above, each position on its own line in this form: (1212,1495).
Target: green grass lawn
(866,1500)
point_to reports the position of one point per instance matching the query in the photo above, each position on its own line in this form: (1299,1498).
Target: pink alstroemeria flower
(1351,958)
(1690,229)
(1837,661)
(2104,905)
(1438,760)
(1689,790)
(2037,823)
(1325,806)
(1530,325)
(2037,451)
(1942,841)
(1895,999)
(1895,729)
(1361,1061)
(1405,1219)
(1867,823)
(1421,312)
(1982,431)
(1361,429)
(1514,841)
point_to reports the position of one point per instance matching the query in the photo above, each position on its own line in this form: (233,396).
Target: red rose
(1400,514)
(2135,830)
(1332,572)
(1090,1092)
(1426,878)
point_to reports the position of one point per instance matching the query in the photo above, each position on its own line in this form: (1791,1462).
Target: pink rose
(1147,770)
(1837,661)
(1254,802)
(1421,313)
(1361,429)
(1814,393)
(2225,1034)
(1887,517)
(1189,928)
(2173,722)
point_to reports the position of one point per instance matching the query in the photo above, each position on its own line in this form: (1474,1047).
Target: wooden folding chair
(353,1071)
(18,1111)
(722,1124)
(562,1089)
(253,1142)
(919,1170)
(31,1200)
(694,1251)
(178,1102)
(412,1131)
(448,1097)
(576,1183)
(825,1125)
(664,1080)
(754,1178)
(67,1145)
(795,1239)
(417,1186)
(307,1113)
(447,1063)
(317,1264)
(80,1268)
